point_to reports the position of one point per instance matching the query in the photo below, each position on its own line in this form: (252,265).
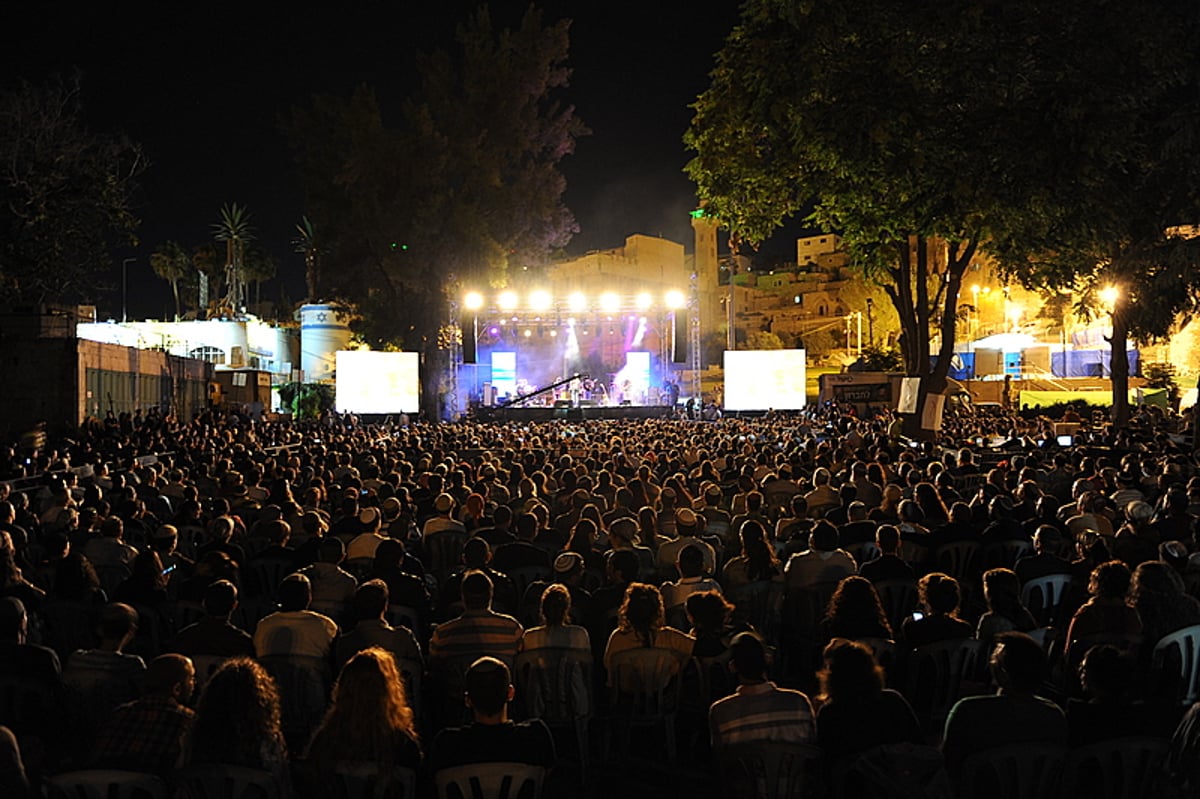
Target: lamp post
(124,287)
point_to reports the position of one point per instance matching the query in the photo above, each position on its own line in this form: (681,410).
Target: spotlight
(473,301)
(507,300)
(644,301)
(577,302)
(539,300)
(609,302)
(674,299)
(527,333)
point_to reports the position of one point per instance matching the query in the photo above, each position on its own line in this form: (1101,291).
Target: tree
(257,268)
(307,245)
(928,133)
(761,340)
(234,229)
(173,264)
(65,195)
(467,184)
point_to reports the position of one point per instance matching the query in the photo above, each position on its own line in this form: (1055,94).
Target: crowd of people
(289,596)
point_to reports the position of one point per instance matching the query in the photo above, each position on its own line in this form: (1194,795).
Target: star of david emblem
(321,317)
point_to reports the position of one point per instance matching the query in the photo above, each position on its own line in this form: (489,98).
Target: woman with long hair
(939,596)
(369,719)
(1107,612)
(756,563)
(855,612)
(1005,613)
(1162,603)
(583,542)
(554,630)
(238,720)
(856,712)
(641,622)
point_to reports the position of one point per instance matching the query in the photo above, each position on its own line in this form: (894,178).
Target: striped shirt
(761,713)
(477,633)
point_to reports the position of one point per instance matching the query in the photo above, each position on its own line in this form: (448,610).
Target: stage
(546,413)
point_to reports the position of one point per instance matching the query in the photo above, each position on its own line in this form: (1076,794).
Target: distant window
(213,355)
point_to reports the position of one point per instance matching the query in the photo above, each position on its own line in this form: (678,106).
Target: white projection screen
(760,380)
(377,382)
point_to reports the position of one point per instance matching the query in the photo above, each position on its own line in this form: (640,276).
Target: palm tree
(234,229)
(172,263)
(306,244)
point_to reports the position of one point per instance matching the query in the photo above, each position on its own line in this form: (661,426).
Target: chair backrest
(714,680)
(1044,596)
(111,576)
(769,770)
(205,666)
(490,781)
(759,603)
(68,626)
(555,684)
(805,607)
(899,600)
(1028,771)
(304,684)
(893,771)
(404,616)
(27,705)
(1180,650)
(884,650)
(216,781)
(863,551)
(360,567)
(645,682)
(957,559)
(1122,768)
(445,552)
(265,574)
(183,612)
(936,673)
(524,576)
(105,784)
(353,780)
(1005,554)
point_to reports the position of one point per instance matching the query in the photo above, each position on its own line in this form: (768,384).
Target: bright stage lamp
(644,301)
(609,302)
(507,300)
(675,300)
(1109,294)
(473,301)
(577,302)
(539,300)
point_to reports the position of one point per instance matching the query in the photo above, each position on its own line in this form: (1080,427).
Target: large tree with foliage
(921,132)
(172,263)
(464,186)
(65,195)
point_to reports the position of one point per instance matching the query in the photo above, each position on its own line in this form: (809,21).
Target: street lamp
(124,287)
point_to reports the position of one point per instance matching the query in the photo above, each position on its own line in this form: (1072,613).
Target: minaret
(705,229)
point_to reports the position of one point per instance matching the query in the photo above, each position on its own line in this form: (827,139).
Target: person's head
(220,598)
(824,537)
(850,671)
(1106,672)
(623,566)
(1156,582)
(14,621)
(1047,539)
(887,538)
(555,605)
(748,654)
(690,561)
(238,716)
(642,611)
(1019,664)
(295,593)
(476,553)
(939,593)
(370,601)
(855,600)
(489,689)
(476,590)
(709,612)
(1110,580)
(118,625)
(171,675)
(1001,588)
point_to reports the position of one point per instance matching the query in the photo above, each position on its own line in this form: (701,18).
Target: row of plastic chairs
(340,781)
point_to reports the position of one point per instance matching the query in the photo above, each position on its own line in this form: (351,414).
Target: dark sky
(202,86)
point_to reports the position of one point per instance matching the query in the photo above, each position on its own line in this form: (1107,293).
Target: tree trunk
(1119,364)
(178,308)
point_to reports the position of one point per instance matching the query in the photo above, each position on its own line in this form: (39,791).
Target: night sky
(202,87)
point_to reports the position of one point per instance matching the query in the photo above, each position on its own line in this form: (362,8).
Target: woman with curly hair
(1107,612)
(855,612)
(238,720)
(641,622)
(554,630)
(856,712)
(1162,603)
(939,595)
(369,718)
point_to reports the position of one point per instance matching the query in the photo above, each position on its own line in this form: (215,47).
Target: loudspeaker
(679,337)
(468,340)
